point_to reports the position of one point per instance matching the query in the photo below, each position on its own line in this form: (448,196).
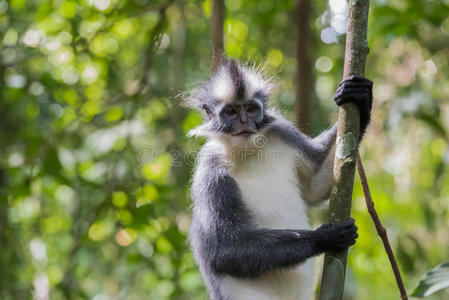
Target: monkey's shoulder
(286,131)
(212,153)
(210,165)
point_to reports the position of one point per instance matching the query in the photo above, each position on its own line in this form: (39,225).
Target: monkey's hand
(336,237)
(359,91)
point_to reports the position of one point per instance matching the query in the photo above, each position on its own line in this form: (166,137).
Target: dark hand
(336,237)
(359,91)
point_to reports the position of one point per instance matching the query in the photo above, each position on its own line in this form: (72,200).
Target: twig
(381,231)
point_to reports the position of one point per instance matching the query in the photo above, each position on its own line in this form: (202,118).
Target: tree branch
(332,283)
(381,231)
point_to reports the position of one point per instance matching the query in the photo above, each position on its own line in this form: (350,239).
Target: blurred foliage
(433,281)
(95,162)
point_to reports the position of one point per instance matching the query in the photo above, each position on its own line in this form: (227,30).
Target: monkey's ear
(208,111)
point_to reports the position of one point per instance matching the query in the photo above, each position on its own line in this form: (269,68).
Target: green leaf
(433,281)
(51,164)
(433,122)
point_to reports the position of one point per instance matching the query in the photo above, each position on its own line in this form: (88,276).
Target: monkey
(254,180)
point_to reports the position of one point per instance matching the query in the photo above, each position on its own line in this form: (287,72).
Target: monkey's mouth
(245,132)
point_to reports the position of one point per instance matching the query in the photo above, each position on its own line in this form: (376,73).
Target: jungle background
(95,162)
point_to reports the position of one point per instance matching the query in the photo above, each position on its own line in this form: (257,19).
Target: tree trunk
(304,80)
(333,279)
(217,32)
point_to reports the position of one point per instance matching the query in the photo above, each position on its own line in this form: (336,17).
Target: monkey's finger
(345,244)
(348,233)
(354,85)
(347,89)
(351,229)
(352,90)
(355,78)
(326,226)
(348,222)
(345,226)
(347,236)
(353,236)
(352,97)
(349,81)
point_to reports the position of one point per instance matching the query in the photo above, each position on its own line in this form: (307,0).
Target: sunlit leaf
(52,164)
(274,57)
(158,170)
(433,281)
(124,216)
(193,119)
(126,237)
(119,199)
(114,114)
(97,231)
(146,194)
(163,245)
(69,9)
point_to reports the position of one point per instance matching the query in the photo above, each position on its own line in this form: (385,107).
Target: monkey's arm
(316,166)
(316,157)
(318,185)
(356,90)
(254,251)
(224,238)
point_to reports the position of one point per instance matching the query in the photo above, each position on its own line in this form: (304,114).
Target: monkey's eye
(231,112)
(251,109)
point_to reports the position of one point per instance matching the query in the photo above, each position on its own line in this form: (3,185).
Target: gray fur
(226,240)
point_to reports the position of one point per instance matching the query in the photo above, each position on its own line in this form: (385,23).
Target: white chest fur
(270,190)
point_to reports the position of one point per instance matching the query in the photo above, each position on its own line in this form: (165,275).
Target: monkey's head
(233,101)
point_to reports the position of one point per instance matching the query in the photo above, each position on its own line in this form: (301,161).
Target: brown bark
(332,283)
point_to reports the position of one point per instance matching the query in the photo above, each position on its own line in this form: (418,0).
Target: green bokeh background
(95,162)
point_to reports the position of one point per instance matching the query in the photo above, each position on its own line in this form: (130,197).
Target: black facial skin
(242,117)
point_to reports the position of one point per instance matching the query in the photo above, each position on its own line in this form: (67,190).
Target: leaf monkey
(254,180)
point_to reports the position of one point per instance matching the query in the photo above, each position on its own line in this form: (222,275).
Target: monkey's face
(241,118)
(233,101)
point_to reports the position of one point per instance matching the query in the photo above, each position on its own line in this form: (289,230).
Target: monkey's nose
(243,117)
